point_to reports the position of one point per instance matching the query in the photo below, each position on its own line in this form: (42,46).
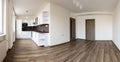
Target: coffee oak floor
(74,51)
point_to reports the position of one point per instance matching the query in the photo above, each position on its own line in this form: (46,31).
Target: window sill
(2,37)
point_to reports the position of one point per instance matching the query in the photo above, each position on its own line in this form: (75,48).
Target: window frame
(1,11)
(3,31)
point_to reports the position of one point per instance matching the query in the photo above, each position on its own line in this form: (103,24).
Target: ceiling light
(81,7)
(26,17)
(27,11)
(78,3)
(74,1)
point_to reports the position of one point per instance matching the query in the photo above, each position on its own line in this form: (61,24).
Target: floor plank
(74,51)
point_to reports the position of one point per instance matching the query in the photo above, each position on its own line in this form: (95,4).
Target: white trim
(116,45)
(94,13)
(1,16)
(2,37)
(4,16)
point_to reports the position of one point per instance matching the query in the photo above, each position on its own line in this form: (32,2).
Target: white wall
(13,25)
(10,20)
(116,26)
(25,17)
(59,25)
(103,26)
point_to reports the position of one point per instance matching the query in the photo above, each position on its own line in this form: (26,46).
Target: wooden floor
(75,51)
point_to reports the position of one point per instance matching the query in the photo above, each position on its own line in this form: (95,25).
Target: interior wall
(13,25)
(10,29)
(59,24)
(25,17)
(116,26)
(103,26)
(73,15)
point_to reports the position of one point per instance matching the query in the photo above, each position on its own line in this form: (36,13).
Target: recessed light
(81,7)
(27,11)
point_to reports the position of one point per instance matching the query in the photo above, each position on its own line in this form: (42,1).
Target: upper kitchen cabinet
(44,15)
(29,22)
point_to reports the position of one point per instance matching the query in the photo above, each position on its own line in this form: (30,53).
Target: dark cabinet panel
(43,28)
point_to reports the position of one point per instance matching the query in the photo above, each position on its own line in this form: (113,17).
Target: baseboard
(23,38)
(58,44)
(93,40)
(116,45)
(80,39)
(103,40)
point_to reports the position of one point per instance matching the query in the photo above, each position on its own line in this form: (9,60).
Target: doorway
(90,29)
(72,29)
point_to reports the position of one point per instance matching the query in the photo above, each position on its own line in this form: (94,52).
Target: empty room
(59,31)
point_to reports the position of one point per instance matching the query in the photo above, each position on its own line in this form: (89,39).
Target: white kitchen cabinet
(41,39)
(35,37)
(26,34)
(19,33)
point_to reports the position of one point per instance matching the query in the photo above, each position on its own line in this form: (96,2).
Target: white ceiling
(89,5)
(33,6)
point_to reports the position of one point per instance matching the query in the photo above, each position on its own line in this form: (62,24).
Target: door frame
(86,27)
(71,29)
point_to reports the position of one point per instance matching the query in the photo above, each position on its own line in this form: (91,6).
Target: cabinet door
(18,28)
(26,34)
(43,39)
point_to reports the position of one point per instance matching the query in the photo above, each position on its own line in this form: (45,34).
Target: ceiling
(89,5)
(28,7)
(34,6)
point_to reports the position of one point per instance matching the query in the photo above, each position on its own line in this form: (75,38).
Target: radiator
(3,49)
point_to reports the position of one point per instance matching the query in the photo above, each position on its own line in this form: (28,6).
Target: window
(1,18)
